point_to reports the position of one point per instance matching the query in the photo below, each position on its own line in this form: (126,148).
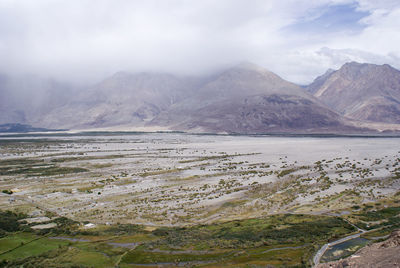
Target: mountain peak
(352,67)
(355,70)
(353,64)
(246,65)
(357,65)
(361,91)
(247,69)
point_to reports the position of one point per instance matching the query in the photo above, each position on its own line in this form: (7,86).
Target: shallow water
(344,249)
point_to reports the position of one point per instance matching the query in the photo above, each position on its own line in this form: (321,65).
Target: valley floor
(205,200)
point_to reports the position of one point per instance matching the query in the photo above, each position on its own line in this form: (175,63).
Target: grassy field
(283,240)
(287,240)
(26,245)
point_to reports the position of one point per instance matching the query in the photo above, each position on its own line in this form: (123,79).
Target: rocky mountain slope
(319,81)
(250,99)
(242,99)
(365,92)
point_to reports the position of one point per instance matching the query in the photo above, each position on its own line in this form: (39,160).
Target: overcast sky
(86,40)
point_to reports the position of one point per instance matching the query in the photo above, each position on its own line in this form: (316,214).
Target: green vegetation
(25,248)
(280,239)
(373,218)
(133,181)
(10,222)
(160,172)
(273,230)
(124,229)
(87,158)
(64,226)
(40,171)
(142,257)
(291,170)
(241,242)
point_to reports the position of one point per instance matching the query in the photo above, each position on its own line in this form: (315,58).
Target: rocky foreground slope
(384,254)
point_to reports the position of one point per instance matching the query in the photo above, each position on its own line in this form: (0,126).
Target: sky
(87,40)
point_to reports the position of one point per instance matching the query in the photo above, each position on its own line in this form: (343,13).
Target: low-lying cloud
(87,40)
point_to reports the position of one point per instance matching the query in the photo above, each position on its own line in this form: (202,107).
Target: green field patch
(205,158)
(27,245)
(99,247)
(67,256)
(21,162)
(144,257)
(160,172)
(47,170)
(92,259)
(14,240)
(282,258)
(135,238)
(291,170)
(86,158)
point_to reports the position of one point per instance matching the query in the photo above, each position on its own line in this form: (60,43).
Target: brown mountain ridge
(244,99)
(366,92)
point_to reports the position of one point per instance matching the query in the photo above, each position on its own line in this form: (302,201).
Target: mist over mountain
(365,92)
(243,99)
(177,57)
(27,98)
(122,99)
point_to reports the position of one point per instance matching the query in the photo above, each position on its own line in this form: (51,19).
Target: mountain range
(243,99)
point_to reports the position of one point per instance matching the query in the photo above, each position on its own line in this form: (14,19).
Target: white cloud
(92,38)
